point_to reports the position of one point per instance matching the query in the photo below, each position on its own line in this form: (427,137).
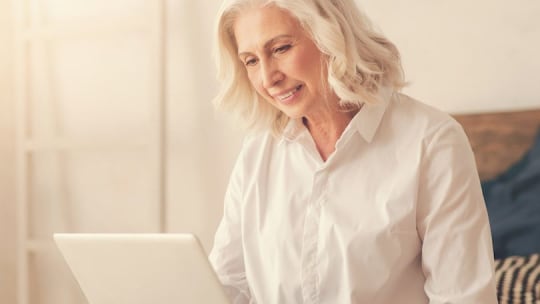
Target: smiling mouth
(290,93)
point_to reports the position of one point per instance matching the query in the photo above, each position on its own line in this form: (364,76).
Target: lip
(288,96)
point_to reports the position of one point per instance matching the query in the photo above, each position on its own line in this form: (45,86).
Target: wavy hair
(359,60)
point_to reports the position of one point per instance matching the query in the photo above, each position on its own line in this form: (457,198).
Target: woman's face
(282,62)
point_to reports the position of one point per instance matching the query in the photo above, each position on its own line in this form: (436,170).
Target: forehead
(253,27)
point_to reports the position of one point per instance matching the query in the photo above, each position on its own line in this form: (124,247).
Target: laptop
(141,268)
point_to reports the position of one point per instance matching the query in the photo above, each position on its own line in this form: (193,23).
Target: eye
(250,61)
(282,49)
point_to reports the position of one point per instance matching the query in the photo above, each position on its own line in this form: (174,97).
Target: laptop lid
(141,268)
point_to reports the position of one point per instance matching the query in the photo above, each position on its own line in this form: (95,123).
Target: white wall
(7,162)
(202,144)
(466,56)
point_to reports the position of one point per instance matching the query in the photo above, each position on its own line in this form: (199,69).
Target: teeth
(285,96)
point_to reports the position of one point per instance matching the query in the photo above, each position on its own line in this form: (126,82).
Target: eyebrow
(268,43)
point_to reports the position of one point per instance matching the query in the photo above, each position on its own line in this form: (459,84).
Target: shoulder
(256,140)
(256,146)
(419,119)
(416,111)
(416,129)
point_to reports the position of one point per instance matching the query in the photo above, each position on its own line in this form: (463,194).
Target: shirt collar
(366,121)
(293,130)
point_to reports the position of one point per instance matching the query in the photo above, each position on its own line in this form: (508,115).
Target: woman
(346,191)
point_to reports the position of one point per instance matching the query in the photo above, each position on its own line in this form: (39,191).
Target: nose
(270,74)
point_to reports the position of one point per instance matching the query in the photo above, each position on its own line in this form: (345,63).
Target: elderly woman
(345,191)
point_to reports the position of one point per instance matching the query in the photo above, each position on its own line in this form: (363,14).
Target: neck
(326,127)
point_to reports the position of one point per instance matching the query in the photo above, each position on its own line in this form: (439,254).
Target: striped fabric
(518,279)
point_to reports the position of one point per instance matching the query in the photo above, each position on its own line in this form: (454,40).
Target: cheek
(254,80)
(307,66)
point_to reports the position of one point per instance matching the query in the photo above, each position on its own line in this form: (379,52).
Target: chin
(293,114)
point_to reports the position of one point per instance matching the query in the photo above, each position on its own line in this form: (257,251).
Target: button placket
(310,241)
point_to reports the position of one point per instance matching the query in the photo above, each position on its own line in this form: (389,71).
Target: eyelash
(278,50)
(281,49)
(250,62)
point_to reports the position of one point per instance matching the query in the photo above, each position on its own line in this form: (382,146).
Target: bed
(507,151)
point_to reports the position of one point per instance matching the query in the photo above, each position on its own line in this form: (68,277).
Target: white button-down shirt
(394,216)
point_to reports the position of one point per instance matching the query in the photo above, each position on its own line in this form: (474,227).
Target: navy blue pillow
(513,205)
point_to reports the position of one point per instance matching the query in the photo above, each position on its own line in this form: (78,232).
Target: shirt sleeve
(457,253)
(226,255)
